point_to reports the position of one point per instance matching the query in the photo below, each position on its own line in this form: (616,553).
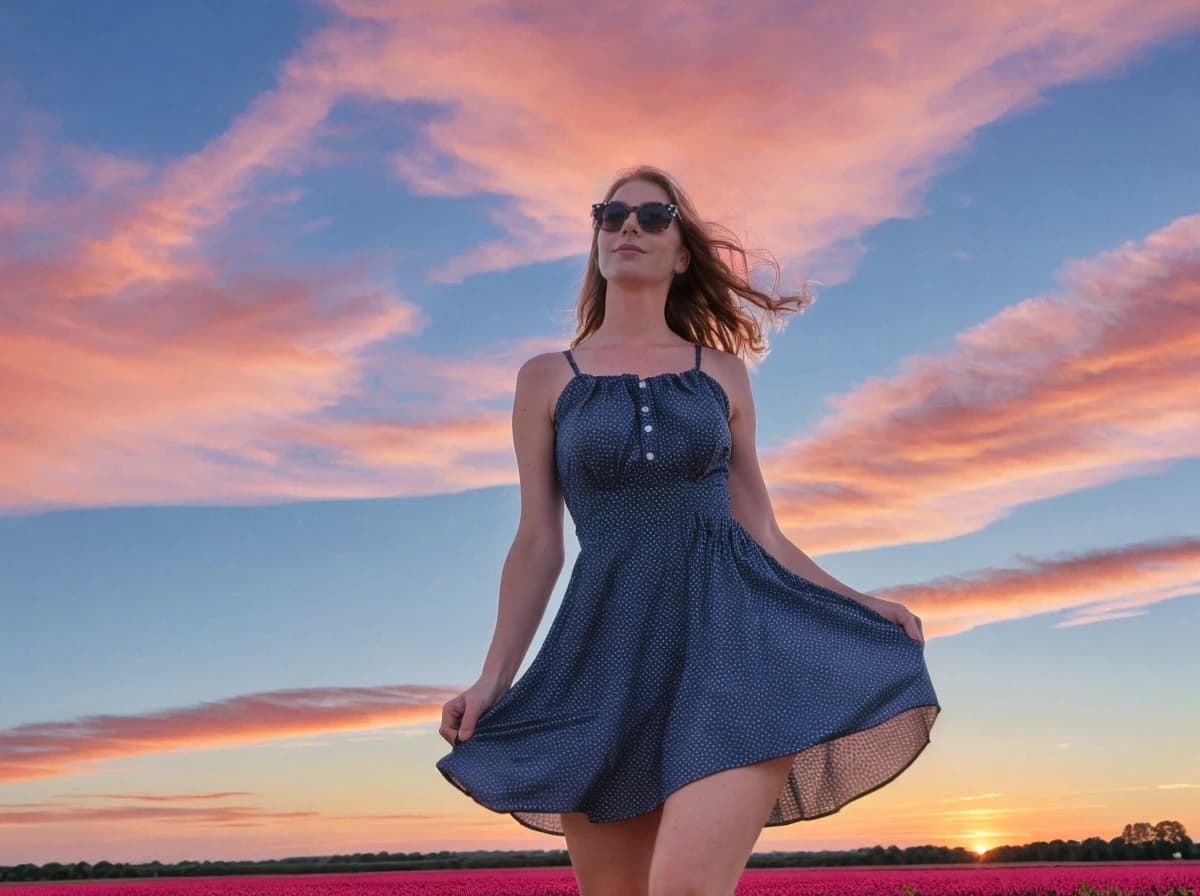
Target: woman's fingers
(452,712)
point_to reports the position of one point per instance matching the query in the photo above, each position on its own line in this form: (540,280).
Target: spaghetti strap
(571,358)
(697,355)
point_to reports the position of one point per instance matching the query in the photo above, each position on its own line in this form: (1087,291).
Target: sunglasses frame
(598,209)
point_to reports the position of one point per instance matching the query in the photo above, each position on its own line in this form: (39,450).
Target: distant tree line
(1138,842)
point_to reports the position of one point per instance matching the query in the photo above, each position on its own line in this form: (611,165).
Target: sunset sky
(267,273)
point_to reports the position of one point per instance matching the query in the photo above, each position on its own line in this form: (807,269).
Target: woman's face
(662,254)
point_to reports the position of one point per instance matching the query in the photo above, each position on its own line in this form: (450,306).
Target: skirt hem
(521,814)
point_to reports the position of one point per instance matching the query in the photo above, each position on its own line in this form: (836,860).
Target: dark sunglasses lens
(613,215)
(654,217)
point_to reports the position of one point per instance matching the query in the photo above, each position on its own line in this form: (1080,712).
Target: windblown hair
(707,303)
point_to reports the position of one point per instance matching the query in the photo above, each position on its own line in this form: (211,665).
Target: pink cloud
(1089,385)
(143,365)
(809,130)
(163,797)
(1093,586)
(51,749)
(225,816)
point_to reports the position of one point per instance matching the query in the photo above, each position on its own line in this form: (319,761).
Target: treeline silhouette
(1138,842)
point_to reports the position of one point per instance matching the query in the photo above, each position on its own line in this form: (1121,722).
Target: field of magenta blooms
(1110,879)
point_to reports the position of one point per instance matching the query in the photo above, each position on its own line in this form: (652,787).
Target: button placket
(646,427)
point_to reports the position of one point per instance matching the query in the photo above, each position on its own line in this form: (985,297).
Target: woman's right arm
(536,557)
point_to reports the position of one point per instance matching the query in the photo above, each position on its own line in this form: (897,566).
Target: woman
(703,678)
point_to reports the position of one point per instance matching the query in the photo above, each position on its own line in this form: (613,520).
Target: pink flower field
(1125,879)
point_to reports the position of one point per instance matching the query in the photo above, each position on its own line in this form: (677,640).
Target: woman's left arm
(751,504)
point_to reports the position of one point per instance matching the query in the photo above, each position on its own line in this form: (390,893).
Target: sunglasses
(652,217)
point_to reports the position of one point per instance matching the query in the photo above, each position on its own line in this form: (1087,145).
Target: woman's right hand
(460,714)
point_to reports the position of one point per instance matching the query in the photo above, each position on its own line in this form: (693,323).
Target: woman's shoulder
(542,364)
(717,359)
(541,378)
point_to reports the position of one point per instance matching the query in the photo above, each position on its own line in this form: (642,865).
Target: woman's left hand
(899,614)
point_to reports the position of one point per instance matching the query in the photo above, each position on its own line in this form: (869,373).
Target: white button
(647,427)
(642,384)
(645,409)
(649,455)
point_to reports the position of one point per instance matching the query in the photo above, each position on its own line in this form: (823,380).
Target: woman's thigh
(709,827)
(611,858)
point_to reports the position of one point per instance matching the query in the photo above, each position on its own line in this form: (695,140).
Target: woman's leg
(709,828)
(611,858)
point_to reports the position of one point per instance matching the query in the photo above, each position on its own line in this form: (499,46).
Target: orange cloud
(225,816)
(155,396)
(970,798)
(812,129)
(50,749)
(162,797)
(1057,393)
(148,354)
(1096,586)
(22,814)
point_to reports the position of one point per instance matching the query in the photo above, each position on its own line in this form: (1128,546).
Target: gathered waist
(647,507)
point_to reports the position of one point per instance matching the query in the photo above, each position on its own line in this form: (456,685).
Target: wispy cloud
(846,117)
(151,351)
(50,749)
(1088,385)
(158,797)
(1089,584)
(988,812)
(224,816)
(1139,788)
(1016,810)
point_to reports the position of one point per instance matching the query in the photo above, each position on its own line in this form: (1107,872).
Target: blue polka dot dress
(681,647)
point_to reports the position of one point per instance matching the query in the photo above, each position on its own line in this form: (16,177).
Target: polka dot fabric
(681,647)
